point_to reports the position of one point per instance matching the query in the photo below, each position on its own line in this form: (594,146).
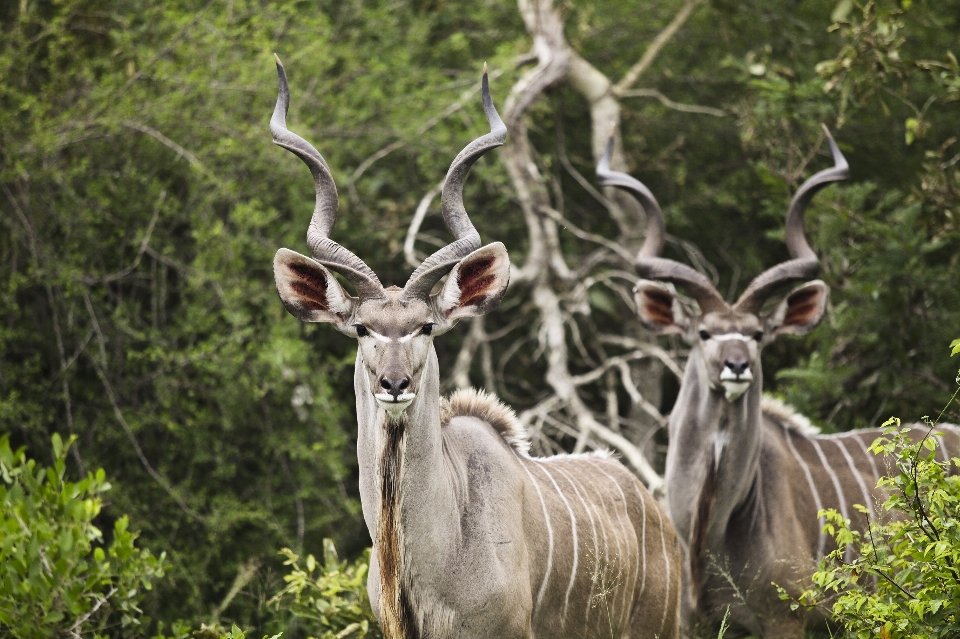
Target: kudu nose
(395,386)
(737,365)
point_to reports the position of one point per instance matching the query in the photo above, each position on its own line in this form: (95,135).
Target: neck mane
(400,461)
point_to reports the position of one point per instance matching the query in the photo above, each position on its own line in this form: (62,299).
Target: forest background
(141,204)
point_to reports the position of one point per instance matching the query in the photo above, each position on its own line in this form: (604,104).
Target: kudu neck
(421,464)
(714,447)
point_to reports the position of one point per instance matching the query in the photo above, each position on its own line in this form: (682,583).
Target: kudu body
(746,475)
(472,537)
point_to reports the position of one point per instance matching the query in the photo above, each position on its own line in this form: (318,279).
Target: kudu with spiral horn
(472,537)
(746,475)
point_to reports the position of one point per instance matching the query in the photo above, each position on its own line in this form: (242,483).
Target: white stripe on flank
(787,432)
(836,487)
(871,458)
(666,565)
(833,477)
(593,528)
(546,519)
(630,587)
(573,529)
(856,473)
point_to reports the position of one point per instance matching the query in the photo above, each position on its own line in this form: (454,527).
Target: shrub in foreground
(905,579)
(59,575)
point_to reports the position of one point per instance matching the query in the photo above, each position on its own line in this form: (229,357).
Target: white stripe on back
(593,528)
(787,432)
(871,458)
(630,587)
(546,519)
(868,502)
(573,528)
(836,486)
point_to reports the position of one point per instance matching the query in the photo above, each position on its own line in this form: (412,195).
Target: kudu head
(394,326)
(728,337)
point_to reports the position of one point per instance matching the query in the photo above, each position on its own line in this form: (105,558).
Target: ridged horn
(648,262)
(455,216)
(325,250)
(804,263)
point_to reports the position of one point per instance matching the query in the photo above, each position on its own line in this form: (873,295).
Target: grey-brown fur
(490,552)
(770,532)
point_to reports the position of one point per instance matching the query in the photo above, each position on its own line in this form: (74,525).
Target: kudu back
(745,474)
(472,537)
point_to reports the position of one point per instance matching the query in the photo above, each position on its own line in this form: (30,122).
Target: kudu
(745,474)
(472,537)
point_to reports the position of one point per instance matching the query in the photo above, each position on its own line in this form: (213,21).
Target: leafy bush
(59,576)
(329,600)
(905,581)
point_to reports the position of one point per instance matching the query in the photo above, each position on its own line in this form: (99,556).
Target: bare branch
(465,98)
(590,237)
(167,142)
(670,104)
(664,37)
(415,223)
(468,351)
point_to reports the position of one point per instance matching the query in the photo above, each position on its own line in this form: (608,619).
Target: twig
(670,104)
(584,235)
(414,228)
(465,98)
(640,67)
(100,601)
(136,445)
(143,247)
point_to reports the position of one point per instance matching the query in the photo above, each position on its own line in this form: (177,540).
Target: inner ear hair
(657,306)
(802,306)
(308,290)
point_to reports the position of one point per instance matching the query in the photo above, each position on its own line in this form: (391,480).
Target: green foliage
(59,575)
(905,581)
(328,600)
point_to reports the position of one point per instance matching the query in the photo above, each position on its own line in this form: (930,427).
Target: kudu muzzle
(734,361)
(394,382)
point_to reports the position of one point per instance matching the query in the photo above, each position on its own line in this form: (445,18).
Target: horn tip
(484,67)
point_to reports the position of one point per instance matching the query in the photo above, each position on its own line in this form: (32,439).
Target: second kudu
(471,536)
(746,475)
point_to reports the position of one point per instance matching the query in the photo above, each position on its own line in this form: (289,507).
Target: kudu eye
(361,330)
(758,335)
(427,329)
(704,335)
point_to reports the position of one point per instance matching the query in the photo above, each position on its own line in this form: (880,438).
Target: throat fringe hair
(396,614)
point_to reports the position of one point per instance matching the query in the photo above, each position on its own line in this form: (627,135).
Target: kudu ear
(658,308)
(309,291)
(476,284)
(800,311)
